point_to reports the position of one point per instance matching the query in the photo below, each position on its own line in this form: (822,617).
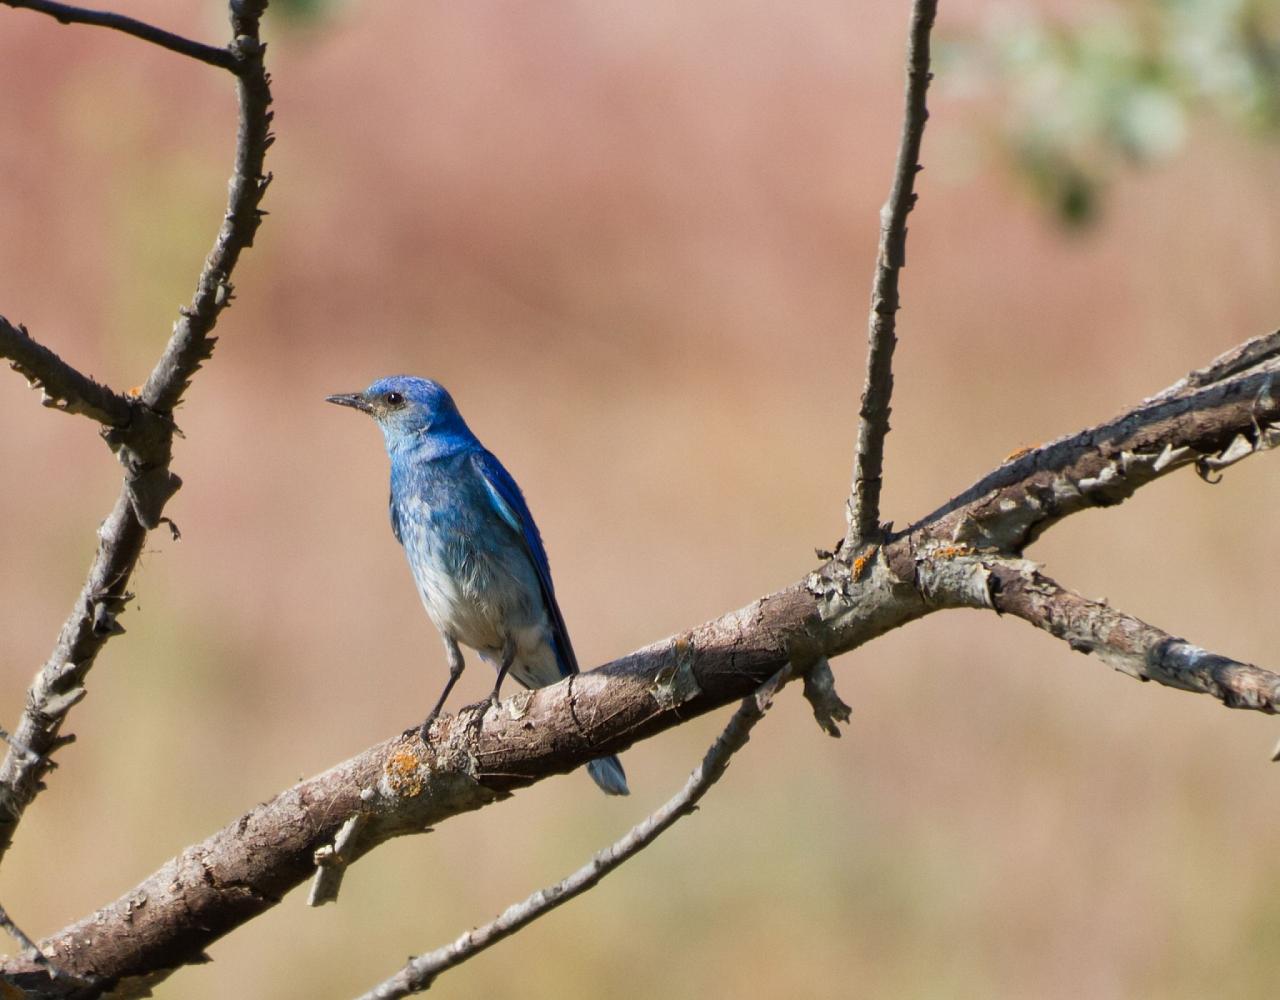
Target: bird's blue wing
(395,518)
(509,503)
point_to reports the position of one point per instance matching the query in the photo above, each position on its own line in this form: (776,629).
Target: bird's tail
(608,774)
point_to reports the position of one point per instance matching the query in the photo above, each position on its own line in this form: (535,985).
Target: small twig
(829,709)
(17,933)
(422,971)
(62,386)
(868,462)
(31,756)
(332,859)
(68,14)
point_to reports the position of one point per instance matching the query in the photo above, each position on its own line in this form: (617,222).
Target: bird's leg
(454,655)
(508,658)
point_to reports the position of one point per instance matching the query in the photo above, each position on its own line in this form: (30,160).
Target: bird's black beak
(355,400)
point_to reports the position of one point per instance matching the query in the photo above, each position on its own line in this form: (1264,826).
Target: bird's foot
(477,708)
(424,730)
(473,715)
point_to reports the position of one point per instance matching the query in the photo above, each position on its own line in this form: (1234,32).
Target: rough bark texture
(1208,426)
(1128,644)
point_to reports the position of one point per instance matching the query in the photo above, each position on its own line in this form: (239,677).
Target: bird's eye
(394,399)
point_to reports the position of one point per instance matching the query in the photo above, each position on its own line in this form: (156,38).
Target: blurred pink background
(636,240)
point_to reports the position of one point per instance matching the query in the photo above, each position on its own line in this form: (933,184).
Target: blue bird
(472,545)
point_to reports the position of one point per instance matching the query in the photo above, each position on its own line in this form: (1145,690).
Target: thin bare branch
(62,386)
(69,14)
(421,972)
(1121,641)
(144,446)
(191,344)
(873,425)
(474,761)
(31,948)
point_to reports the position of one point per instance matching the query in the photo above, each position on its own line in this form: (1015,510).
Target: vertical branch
(190,345)
(140,430)
(864,501)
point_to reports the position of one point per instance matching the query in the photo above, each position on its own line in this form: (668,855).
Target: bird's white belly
(461,605)
(478,599)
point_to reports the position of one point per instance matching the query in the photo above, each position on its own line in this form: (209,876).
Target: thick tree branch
(143,444)
(68,14)
(1208,425)
(62,386)
(405,786)
(873,424)
(248,866)
(1127,644)
(421,972)
(1238,359)
(1018,587)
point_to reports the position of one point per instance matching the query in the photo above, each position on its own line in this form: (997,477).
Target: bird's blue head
(408,410)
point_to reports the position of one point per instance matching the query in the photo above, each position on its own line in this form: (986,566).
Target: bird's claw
(476,709)
(424,730)
(472,716)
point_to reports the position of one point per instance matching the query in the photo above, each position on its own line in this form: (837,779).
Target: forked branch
(140,430)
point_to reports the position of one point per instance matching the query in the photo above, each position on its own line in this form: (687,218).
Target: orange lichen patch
(135,392)
(403,773)
(1018,453)
(953,551)
(860,563)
